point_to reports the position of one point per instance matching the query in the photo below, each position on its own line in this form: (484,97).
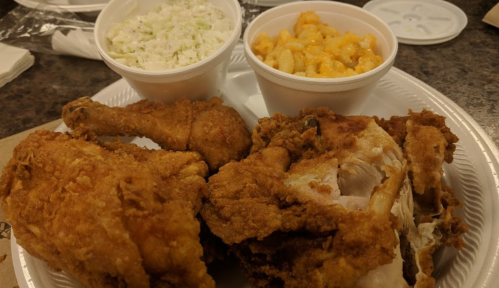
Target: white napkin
(77,43)
(13,62)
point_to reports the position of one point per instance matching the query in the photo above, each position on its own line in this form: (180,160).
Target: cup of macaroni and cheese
(169,49)
(318,53)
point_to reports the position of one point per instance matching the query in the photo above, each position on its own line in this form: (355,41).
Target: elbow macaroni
(317,50)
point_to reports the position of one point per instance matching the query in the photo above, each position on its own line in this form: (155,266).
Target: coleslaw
(178,33)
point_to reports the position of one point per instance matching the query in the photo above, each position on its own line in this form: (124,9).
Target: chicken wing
(216,131)
(111,215)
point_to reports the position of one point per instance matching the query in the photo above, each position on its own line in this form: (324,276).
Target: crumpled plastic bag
(47,31)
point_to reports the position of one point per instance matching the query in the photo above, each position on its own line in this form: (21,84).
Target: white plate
(473,174)
(69,5)
(272,3)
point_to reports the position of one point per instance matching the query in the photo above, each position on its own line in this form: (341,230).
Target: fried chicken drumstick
(216,131)
(111,215)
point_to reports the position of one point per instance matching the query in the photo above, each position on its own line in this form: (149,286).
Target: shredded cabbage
(178,33)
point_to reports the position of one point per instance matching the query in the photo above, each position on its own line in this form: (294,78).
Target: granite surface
(465,69)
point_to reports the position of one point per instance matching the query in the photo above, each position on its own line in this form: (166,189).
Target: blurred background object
(492,17)
(86,6)
(249,10)
(50,31)
(13,62)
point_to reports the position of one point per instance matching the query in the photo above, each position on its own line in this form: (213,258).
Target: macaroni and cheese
(317,50)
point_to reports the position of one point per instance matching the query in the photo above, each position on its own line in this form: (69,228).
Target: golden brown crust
(292,233)
(217,132)
(424,279)
(303,259)
(396,127)
(452,227)
(427,143)
(263,206)
(112,218)
(425,148)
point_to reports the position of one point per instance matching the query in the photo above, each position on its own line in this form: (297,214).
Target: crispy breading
(396,127)
(287,212)
(425,147)
(427,143)
(122,217)
(303,259)
(323,200)
(216,131)
(312,205)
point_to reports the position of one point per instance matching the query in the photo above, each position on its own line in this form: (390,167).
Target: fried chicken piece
(311,196)
(123,217)
(397,128)
(180,166)
(425,147)
(301,190)
(427,143)
(302,259)
(216,131)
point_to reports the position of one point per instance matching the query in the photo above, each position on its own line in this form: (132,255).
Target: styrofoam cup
(199,81)
(287,93)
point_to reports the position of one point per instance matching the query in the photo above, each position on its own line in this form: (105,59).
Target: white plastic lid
(420,22)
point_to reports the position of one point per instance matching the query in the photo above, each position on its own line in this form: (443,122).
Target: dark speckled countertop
(465,69)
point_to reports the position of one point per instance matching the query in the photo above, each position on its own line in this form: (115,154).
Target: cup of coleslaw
(169,49)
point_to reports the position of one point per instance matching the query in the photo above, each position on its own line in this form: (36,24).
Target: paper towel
(13,62)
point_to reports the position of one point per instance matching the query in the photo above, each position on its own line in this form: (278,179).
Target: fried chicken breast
(297,211)
(216,131)
(326,200)
(111,215)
